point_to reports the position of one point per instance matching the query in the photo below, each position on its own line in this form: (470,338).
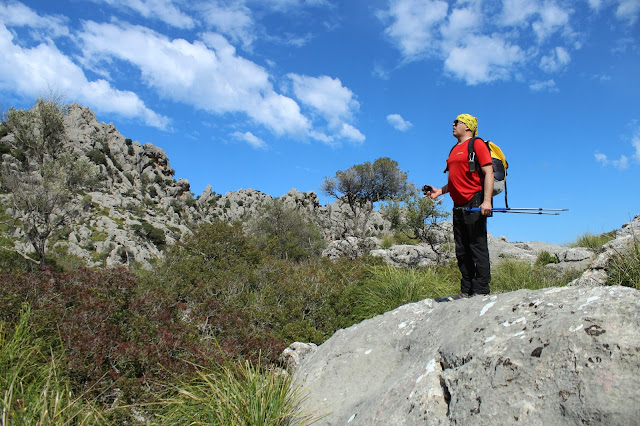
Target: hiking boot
(452,297)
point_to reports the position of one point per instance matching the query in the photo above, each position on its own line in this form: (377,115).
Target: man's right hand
(431,192)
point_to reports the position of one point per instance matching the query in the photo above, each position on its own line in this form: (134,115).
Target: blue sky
(279,94)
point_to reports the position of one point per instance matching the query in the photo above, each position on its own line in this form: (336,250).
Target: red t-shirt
(462,183)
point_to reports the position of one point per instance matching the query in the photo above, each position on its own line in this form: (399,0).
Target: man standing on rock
(469,189)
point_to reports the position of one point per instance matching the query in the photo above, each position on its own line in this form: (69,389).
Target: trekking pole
(530,209)
(527,212)
(521,210)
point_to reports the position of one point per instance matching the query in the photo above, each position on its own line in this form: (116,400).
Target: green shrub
(19,155)
(214,271)
(114,332)
(286,233)
(97,157)
(4,149)
(150,232)
(544,258)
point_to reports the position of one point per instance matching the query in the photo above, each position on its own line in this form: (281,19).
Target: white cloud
(622,163)
(398,122)
(163,10)
(19,15)
(327,97)
(628,10)
(501,39)
(233,20)
(625,10)
(484,59)
(414,24)
(551,18)
(548,85)
(251,139)
(205,74)
(635,142)
(517,12)
(347,131)
(33,72)
(285,5)
(556,61)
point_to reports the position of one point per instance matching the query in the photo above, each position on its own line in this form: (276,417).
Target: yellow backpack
(500,167)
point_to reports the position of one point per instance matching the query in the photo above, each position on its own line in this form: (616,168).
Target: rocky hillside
(140,208)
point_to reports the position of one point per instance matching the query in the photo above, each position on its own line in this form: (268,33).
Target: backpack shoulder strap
(450,151)
(472,154)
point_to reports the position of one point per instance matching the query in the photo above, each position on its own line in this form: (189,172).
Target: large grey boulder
(555,356)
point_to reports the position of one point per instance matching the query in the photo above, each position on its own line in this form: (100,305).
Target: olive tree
(286,232)
(42,176)
(362,185)
(418,218)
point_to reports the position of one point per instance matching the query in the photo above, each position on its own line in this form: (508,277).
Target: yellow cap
(470,121)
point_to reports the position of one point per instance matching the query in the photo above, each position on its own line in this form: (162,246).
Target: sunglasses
(456,122)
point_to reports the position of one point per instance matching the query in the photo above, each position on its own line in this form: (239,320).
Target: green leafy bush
(214,272)
(286,233)
(97,157)
(150,232)
(545,258)
(114,333)
(4,149)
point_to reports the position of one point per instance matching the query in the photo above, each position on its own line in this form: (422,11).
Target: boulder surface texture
(566,355)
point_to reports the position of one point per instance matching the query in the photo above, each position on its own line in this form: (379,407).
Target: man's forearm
(488,183)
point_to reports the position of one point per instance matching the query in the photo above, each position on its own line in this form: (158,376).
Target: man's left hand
(485,208)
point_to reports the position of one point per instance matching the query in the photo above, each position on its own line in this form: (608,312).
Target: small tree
(44,183)
(362,185)
(417,217)
(286,232)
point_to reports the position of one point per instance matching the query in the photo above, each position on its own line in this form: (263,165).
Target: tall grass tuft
(236,394)
(594,241)
(625,267)
(513,274)
(32,390)
(388,287)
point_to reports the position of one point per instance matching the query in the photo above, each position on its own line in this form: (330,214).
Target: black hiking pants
(472,249)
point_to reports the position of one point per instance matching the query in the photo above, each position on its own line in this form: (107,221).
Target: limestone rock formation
(140,209)
(555,356)
(626,237)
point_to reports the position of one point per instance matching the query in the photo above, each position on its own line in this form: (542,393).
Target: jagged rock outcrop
(554,356)
(424,255)
(140,208)
(626,237)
